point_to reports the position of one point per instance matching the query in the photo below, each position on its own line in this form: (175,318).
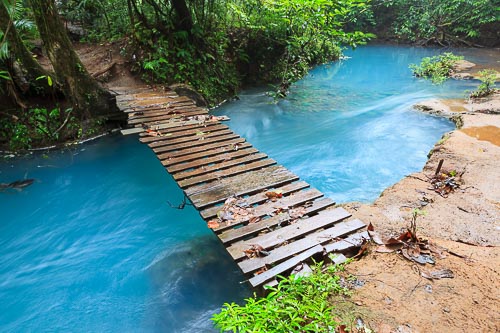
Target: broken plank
(248,183)
(215,149)
(235,170)
(225,164)
(213,159)
(286,251)
(289,264)
(271,223)
(299,229)
(192,144)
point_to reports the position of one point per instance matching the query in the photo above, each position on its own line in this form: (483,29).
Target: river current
(94,246)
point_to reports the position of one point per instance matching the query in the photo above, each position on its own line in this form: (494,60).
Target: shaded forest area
(215,46)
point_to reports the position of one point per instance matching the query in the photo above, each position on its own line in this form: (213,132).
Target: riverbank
(465,221)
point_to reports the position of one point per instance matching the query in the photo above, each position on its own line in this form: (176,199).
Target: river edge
(394,296)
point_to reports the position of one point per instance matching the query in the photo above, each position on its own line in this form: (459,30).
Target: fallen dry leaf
(213,224)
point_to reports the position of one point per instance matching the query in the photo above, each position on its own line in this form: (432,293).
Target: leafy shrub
(297,304)
(488,78)
(436,68)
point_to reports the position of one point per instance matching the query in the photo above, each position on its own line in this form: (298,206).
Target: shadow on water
(188,282)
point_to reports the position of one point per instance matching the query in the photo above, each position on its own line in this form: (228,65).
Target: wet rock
(188,91)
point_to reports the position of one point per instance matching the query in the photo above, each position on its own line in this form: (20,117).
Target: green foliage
(488,78)
(38,126)
(437,20)
(436,68)
(297,304)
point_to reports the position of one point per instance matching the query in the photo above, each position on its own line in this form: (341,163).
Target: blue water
(349,128)
(92,245)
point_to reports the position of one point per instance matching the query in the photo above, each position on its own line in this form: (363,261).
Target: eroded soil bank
(394,297)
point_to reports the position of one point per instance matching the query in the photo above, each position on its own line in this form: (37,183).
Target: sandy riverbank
(467,221)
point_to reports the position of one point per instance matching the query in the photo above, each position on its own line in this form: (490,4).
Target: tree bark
(23,68)
(83,91)
(184,17)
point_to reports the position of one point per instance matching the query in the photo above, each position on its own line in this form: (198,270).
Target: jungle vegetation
(215,46)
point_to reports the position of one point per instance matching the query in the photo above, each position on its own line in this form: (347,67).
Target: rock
(463,65)
(188,91)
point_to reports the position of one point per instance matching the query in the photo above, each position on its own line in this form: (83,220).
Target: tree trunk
(83,91)
(184,18)
(23,68)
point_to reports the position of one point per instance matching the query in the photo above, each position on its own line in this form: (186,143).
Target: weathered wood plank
(194,137)
(235,170)
(269,208)
(284,266)
(147,120)
(183,155)
(233,235)
(225,164)
(248,183)
(216,149)
(284,252)
(200,162)
(169,135)
(258,198)
(198,142)
(354,240)
(299,229)
(177,109)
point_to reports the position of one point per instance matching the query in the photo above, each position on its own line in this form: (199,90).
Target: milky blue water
(92,245)
(349,128)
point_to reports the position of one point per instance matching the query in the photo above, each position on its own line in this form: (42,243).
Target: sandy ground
(392,296)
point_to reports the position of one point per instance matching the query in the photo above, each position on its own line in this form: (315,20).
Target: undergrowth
(437,68)
(297,304)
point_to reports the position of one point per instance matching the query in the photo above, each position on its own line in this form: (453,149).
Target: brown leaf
(405,236)
(262,270)
(213,224)
(341,329)
(375,237)
(362,249)
(254,219)
(370,227)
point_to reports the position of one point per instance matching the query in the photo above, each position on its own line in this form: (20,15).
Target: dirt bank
(466,221)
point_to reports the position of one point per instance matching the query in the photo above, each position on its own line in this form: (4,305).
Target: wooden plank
(299,229)
(134,130)
(178,109)
(216,149)
(289,264)
(271,223)
(176,133)
(192,144)
(131,109)
(183,155)
(213,159)
(284,252)
(235,170)
(258,198)
(193,137)
(270,207)
(172,123)
(152,119)
(354,240)
(219,166)
(248,183)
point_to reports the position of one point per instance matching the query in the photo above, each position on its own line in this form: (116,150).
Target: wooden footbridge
(269,220)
